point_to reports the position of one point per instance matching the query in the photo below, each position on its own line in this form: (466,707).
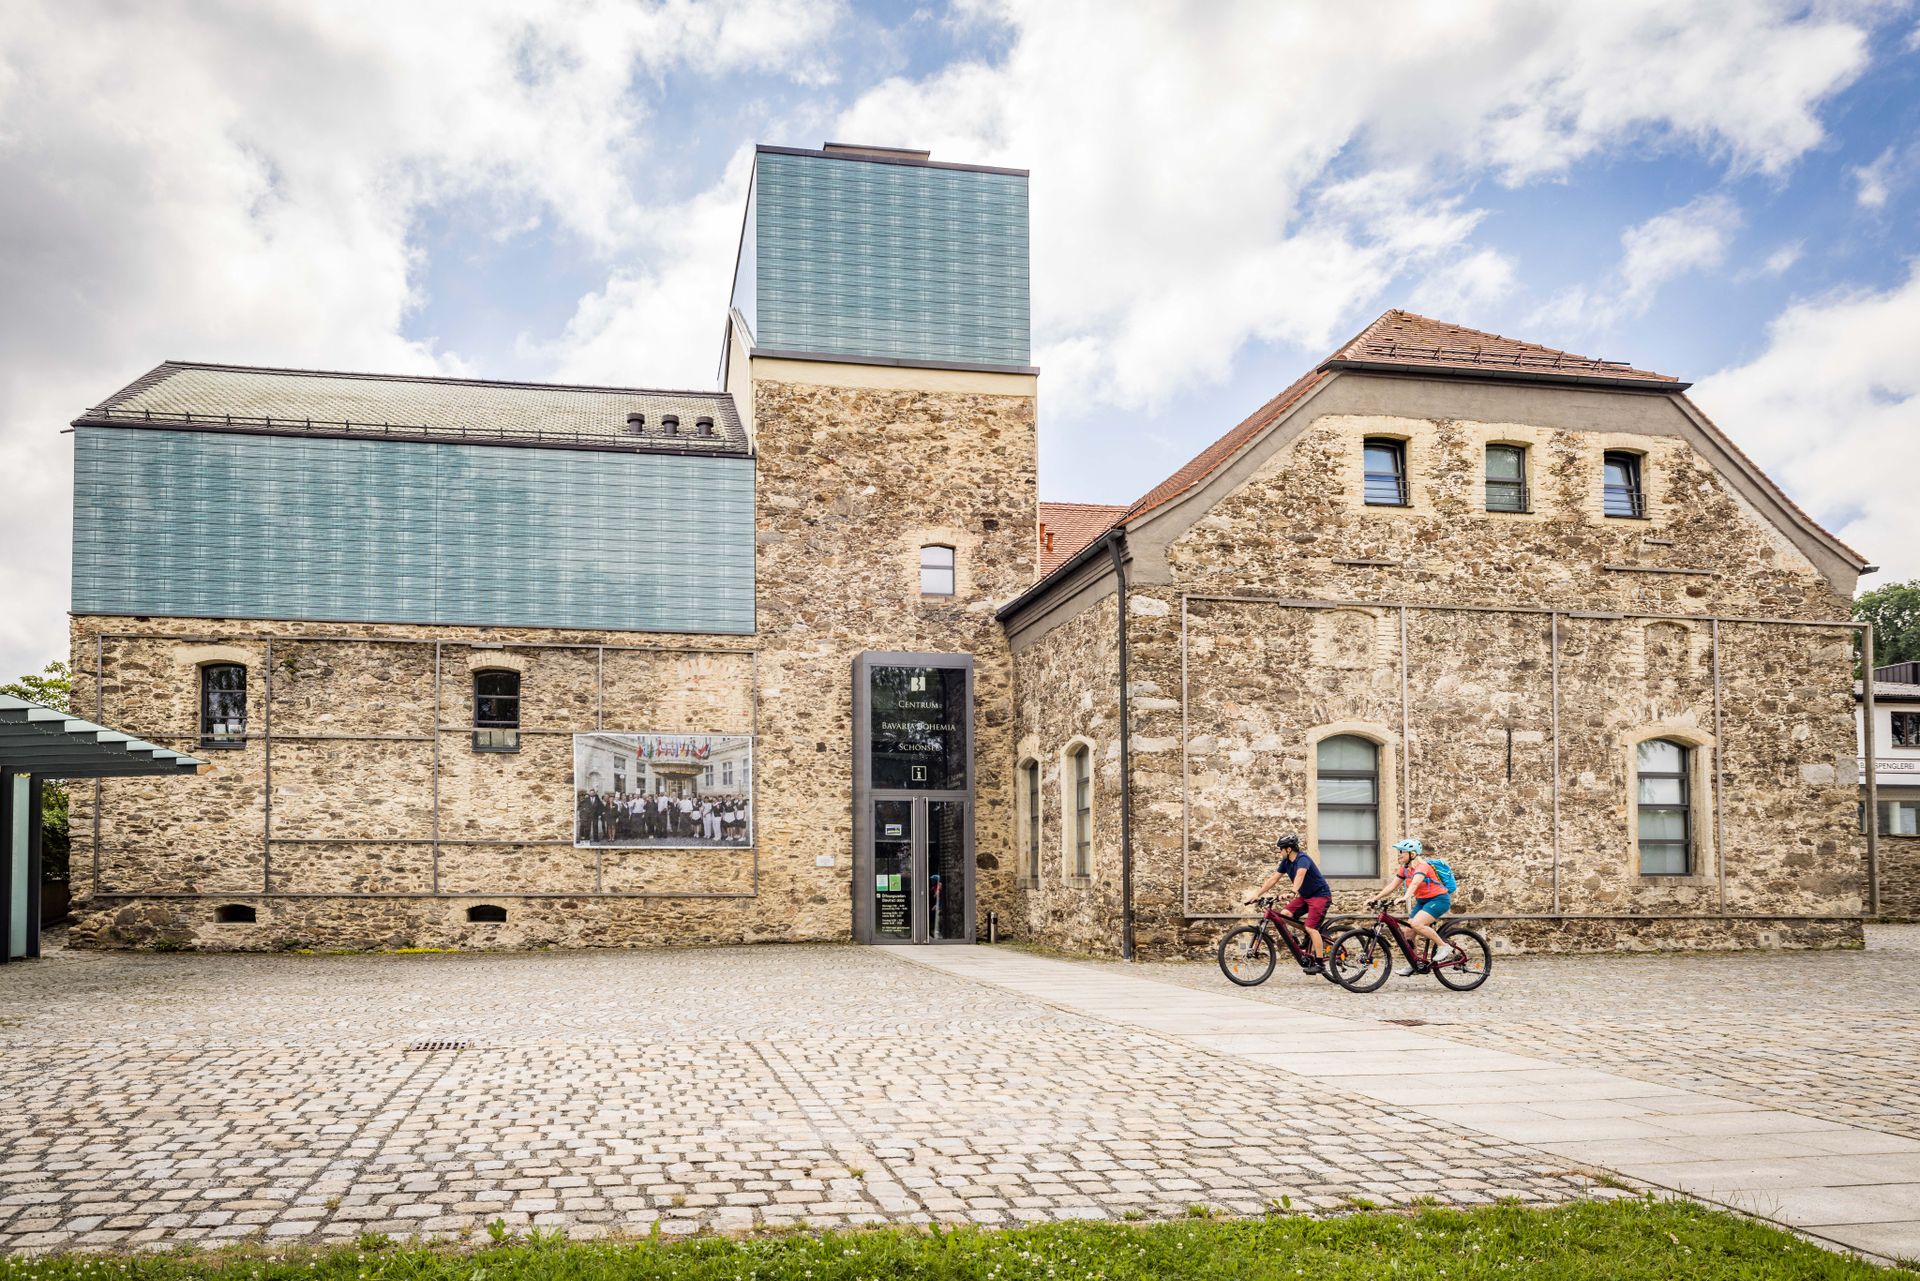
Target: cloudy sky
(1726,190)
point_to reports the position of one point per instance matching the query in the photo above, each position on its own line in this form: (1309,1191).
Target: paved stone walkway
(147,1100)
(1736,1091)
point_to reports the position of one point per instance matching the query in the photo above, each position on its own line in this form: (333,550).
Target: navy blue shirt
(1313,885)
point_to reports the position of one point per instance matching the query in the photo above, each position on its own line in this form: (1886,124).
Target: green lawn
(1606,1241)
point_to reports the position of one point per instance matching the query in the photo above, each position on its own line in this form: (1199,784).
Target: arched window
(223,705)
(936,570)
(1079,793)
(1665,798)
(1030,804)
(496,710)
(234,914)
(487,913)
(1347,805)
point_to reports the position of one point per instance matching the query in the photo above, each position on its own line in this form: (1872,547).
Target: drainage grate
(1407,1022)
(435,1047)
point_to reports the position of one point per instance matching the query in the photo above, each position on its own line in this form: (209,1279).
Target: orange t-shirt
(1430,886)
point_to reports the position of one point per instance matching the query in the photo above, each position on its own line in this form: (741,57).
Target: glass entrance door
(913,798)
(920,885)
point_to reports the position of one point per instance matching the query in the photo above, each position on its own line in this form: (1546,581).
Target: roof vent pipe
(636,423)
(703,426)
(670,424)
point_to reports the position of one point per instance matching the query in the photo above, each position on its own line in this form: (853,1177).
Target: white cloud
(1870,181)
(1831,408)
(1208,176)
(244,183)
(1779,262)
(1467,290)
(1652,254)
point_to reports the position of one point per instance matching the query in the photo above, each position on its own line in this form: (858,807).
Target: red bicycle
(1360,959)
(1248,953)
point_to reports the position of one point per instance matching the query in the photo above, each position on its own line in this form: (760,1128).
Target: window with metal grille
(1906,729)
(496,711)
(936,570)
(1347,806)
(1081,761)
(1665,798)
(223,705)
(1621,494)
(1506,478)
(1385,464)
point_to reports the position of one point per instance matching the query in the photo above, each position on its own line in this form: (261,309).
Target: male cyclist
(1311,894)
(1424,886)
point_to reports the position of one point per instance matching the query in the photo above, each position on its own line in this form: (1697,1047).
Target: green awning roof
(42,740)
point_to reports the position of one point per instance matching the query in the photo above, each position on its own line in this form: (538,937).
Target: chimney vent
(703,426)
(670,424)
(636,423)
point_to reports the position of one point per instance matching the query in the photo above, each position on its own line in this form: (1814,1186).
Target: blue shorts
(1436,907)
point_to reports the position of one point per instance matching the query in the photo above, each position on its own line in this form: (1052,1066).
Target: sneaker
(1448,953)
(1312,966)
(1406,972)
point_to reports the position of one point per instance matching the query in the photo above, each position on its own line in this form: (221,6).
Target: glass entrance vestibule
(913,798)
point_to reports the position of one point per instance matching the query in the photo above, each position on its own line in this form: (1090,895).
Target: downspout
(1116,548)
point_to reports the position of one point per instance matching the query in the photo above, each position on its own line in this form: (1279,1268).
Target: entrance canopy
(54,744)
(38,743)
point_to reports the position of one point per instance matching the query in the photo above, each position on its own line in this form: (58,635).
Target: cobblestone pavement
(1825,1034)
(149,1100)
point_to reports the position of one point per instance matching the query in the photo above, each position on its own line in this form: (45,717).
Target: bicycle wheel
(1359,959)
(1472,972)
(1247,955)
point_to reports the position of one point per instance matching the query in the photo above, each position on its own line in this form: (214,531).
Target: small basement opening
(487,912)
(235,914)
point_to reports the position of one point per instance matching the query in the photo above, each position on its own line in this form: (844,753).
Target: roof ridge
(171,366)
(1051,502)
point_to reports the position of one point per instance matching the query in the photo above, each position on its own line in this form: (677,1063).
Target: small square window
(1906,729)
(1385,483)
(1506,478)
(936,571)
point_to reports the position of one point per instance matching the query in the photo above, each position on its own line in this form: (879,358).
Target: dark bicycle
(1248,953)
(1360,959)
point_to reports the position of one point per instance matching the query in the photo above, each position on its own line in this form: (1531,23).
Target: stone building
(1892,742)
(1531,607)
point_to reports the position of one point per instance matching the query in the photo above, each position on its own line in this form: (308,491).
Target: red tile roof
(1065,528)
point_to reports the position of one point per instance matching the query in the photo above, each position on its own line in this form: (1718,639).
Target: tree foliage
(1894,611)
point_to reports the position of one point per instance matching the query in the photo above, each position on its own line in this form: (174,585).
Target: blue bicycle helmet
(1409,847)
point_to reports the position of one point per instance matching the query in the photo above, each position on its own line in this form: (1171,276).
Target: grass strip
(1619,1240)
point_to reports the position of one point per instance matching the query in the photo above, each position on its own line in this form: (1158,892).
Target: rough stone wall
(1066,688)
(360,760)
(1900,878)
(1264,681)
(852,482)
(1285,528)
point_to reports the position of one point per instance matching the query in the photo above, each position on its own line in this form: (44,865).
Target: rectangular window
(1082,812)
(1906,729)
(223,705)
(1347,806)
(1031,783)
(1506,478)
(726,773)
(1900,818)
(936,571)
(1622,495)
(1386,473)
(1666,808)
(496,712)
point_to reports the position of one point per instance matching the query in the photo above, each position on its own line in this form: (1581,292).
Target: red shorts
(1316,909)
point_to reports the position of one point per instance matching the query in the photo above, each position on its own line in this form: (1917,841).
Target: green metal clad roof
(44,740)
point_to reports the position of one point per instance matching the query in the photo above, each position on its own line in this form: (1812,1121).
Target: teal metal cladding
(214,525)
(894,261)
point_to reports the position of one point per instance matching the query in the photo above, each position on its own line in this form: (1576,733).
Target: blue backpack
(1445,873)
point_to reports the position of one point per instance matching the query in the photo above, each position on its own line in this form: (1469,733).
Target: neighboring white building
(1896,747)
